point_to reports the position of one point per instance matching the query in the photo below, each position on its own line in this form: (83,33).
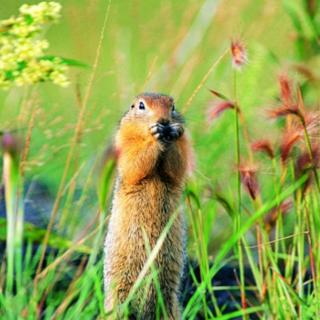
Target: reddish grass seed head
(285,90)
(263,146)
(305,161)
(10,143)
(296,132)
(289,105)
(312,122)
(290,138)
(216,110)
(283,111)
(249,180)
(239,54)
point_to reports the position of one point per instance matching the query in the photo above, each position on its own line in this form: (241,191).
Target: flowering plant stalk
(14,209)
(23,62)
(239,58)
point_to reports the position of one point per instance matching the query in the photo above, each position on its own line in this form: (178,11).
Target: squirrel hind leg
(148,306)
(109,305)
(175,312)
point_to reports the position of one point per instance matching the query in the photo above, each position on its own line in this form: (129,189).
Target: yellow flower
(22,49)
(43,12)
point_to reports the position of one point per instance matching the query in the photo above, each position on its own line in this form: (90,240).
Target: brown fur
(151,174)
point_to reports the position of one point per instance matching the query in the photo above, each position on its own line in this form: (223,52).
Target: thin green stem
(238,215)
(237,142)
(309,147)
(74,140)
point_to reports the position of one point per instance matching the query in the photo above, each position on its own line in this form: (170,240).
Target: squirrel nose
(163,121)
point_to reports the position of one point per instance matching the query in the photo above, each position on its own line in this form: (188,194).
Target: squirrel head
(154,107)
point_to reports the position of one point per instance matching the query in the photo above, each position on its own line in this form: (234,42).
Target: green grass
(180,48)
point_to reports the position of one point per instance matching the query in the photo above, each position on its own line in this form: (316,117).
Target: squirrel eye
(141,105)
(132,106)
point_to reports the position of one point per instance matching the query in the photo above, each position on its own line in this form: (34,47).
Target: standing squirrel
(153,157)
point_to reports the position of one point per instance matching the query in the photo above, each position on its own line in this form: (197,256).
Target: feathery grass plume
(11,144)
(239,54)
(285,90)
(215,111)
(272,217)
(263,146)
(22,47)
(307,162)
(309,123)
(289,106)
(307,137)
(312,123)
(285,110)
(11,147)
(249,179)
(289,139)
(311,120)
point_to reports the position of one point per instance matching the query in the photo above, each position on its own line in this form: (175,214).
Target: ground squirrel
(153,157)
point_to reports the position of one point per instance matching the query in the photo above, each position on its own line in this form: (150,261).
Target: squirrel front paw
(160,132)
(166,133)
(177,130)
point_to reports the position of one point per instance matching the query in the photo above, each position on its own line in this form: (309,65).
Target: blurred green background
(165,46)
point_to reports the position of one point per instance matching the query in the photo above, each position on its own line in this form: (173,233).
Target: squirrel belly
(152,165)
